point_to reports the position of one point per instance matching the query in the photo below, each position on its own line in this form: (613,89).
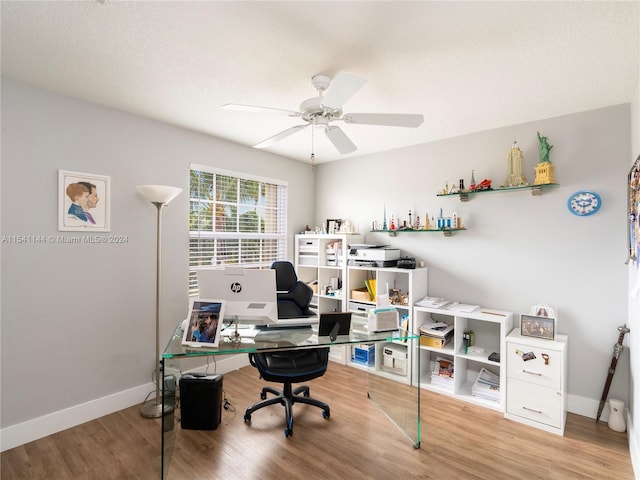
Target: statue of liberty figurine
(545,169)
(544,147)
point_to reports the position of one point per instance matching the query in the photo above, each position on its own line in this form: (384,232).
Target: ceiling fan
(326,108)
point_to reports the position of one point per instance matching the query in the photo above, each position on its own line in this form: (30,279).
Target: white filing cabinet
(537,381)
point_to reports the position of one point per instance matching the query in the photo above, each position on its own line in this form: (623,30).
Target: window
(235,220)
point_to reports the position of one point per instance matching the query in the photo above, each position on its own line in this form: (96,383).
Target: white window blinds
(235,220)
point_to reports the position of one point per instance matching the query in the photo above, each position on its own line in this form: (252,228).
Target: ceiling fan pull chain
(313,155)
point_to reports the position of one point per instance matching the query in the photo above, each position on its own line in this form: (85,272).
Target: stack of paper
(435,334)
(432,302)
(442,374)
(487,386)
(463,307)
(436,329)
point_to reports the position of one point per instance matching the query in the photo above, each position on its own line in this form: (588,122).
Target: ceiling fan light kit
(326,107)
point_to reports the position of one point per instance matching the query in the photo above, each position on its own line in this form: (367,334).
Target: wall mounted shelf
(535,191)
(446,231)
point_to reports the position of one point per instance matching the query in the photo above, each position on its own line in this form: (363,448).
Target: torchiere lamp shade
(159,193)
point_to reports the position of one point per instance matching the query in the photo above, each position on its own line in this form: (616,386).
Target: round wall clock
(584,202)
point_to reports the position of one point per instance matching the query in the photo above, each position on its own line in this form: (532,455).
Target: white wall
(78,320)
(633,339)
(518,250)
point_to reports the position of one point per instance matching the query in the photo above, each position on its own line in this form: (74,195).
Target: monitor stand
(235,336)
(333,335)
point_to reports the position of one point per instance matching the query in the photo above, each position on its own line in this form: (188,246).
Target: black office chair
(290,366)
(294,296)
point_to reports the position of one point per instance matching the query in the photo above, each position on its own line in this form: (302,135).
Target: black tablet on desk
(333,324)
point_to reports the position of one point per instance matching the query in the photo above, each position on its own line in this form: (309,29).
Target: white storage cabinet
(537,381)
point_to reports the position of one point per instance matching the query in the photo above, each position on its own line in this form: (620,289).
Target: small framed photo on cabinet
(534,326)
(333,225)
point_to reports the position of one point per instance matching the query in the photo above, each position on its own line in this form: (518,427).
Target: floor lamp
(159,195)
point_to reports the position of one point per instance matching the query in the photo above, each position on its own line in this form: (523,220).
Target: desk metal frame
(402,409)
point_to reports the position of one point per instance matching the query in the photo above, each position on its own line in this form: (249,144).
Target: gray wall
(518,250)
(78,320)
(634,310)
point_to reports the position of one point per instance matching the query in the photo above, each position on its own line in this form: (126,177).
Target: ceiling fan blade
(280,136)
(251,108)
(386,119)
(340,140)
(341,89)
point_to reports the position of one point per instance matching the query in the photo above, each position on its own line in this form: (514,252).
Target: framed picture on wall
(633,222)
(83,202)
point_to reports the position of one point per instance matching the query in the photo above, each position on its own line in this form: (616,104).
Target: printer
(365,255)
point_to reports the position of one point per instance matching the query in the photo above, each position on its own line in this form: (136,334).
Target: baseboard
(25,432)
(634,447)
(587,407)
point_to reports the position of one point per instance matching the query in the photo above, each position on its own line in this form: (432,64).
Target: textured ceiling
(466,66)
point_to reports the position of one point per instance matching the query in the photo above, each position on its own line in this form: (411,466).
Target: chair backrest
(291,366)
(294,296)
(286,276)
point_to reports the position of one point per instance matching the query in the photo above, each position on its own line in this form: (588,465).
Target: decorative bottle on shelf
(473,182)
(393,224)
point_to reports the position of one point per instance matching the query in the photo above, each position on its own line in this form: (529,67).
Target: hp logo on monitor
(236,287)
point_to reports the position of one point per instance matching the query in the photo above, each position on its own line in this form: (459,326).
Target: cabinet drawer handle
(531,373)
(532,410)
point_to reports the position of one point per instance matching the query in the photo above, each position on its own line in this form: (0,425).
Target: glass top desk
(400,401)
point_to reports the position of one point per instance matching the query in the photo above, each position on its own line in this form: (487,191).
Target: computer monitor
(249,294)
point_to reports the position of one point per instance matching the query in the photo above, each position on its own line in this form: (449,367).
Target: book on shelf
(404,328)
(369,291)
(373,285)
(487,385)
(443,373)
(444,368)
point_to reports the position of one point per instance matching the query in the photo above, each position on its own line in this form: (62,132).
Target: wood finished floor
(459,441)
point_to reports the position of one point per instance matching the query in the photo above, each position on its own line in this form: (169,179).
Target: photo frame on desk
(540,327)
(333,225)
(205,323)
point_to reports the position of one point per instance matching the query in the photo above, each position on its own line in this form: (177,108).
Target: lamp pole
(159,196)
(153,408)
